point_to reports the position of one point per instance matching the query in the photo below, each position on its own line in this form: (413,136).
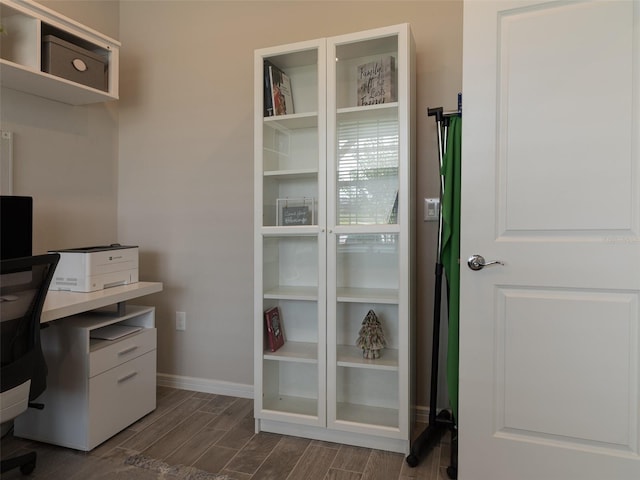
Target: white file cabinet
(95,387)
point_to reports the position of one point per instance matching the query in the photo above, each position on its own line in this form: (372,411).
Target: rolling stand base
(429,437)
(452,469)
(443,422)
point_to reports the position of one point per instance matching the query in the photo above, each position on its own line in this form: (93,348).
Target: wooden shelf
(349,356)
(367,415)
(368,295)
(383,111)
(293,121)
(300,352)
(292,230)
(291,405)
(26,23)
(293,174)
(292,293)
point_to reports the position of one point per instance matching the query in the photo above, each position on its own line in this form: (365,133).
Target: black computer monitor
(16,226)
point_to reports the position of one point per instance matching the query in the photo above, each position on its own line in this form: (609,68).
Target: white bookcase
(26,24)
(354,167)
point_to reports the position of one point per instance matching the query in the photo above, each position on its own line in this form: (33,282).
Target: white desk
(63,304)
(95,387)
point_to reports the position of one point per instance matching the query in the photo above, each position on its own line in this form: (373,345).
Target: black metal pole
(438,423)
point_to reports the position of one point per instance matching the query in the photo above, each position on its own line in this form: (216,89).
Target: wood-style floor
(201,436)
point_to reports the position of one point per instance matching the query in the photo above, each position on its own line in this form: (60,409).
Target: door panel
(549,360)
(559,86)
(547,391)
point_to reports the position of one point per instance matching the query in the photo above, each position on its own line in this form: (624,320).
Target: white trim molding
(241,390)
(205,385)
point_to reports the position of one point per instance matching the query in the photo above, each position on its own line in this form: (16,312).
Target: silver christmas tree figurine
(371,337)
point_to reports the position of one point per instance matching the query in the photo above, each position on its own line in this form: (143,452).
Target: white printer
(89,269)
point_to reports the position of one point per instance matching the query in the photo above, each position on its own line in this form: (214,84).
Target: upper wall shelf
(22,50)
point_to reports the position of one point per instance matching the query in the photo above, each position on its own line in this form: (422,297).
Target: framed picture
(296,211)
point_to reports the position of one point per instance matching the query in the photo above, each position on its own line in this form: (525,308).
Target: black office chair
(24,283)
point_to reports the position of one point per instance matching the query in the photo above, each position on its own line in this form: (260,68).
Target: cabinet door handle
(127,350)
(127,377)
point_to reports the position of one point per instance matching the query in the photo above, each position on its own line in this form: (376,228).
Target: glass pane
(290,177)
(349,320)
(367,136)
(290,264)
(301,68)
(290,142)
(367,176)
(364,396)
(372,66)
(290,387)
(299,322)
(367,261)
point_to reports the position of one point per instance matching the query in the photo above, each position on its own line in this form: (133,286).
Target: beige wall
(176,155)
(101,15)
(186,156)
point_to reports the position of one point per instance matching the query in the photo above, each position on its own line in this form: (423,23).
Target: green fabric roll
(450,255)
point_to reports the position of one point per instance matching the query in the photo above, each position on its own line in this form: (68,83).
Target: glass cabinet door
(291,372)
(290,252)
(292,145)
(366,146)
(367,312)
(364,351)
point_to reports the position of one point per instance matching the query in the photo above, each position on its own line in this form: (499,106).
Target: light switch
(181,321)
(431,209)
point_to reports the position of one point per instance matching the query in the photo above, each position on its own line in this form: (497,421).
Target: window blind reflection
(367,174)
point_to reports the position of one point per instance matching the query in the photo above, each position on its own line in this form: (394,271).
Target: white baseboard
(205,385)
(422,414)
(236,389)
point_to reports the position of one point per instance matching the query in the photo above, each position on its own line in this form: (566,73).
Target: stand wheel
(412,460)
(444,415)
(452,472)
(27,468)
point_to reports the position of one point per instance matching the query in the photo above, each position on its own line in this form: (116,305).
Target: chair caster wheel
(27,468)
(412,460)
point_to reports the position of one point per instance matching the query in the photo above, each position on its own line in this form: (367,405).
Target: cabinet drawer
(121,351)
(120,396)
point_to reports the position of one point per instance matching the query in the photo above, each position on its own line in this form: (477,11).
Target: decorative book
(268,100)
(377,82)
(279,91)
(273,326)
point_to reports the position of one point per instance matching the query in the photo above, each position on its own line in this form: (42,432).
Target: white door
(549,342)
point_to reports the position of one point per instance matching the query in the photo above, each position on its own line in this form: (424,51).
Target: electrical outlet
(181,321)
